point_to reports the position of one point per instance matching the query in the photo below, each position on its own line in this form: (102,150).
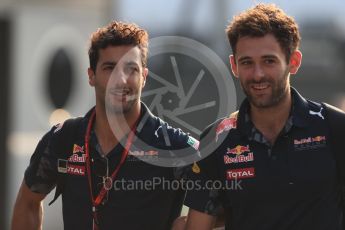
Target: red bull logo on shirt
(238,150)
(78,149)
(319,138)
(309,140)
(76,158)
(309,143)
(239,157)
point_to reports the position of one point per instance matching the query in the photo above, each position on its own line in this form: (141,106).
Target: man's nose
(119,77)
(258,72)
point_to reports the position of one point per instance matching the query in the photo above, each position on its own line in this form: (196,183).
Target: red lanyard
(96,202)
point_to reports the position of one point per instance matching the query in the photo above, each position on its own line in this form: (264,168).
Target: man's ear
(91,74)
(233,65)
(295,61)
(145,73)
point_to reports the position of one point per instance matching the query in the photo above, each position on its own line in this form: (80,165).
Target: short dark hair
(265,19)
(117,34)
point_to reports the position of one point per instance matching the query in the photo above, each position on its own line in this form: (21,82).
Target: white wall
(38,30)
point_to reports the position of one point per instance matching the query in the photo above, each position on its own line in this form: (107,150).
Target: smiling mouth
(123,94)
(261,86)
(120,92)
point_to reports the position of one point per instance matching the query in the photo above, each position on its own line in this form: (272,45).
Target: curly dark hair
(117,34)
(265,19)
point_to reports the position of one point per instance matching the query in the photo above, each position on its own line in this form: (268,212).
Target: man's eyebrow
(244,58)
(108,63)
(132,63)
(270,56)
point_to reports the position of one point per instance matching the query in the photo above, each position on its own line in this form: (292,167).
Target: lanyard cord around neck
(97,201)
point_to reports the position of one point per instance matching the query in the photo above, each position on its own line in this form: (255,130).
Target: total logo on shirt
(78,170)
(241,173)
(65,167)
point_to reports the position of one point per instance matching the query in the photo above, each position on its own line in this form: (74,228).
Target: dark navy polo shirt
(140,197)
(289,185)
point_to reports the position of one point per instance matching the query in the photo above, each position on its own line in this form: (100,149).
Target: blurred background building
(43,63)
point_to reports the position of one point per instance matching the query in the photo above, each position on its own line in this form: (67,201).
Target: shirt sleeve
(206,192)
(41,174)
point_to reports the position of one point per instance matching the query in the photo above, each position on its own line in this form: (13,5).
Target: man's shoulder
(61,135)
(221,127)
(334,115)
(323,111)
(313,105)
(67,127)
(177,136)
(162,133)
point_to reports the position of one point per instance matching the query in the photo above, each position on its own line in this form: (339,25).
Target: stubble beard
(121,109)
(278,91)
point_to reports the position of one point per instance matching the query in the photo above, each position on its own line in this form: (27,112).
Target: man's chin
(264,103)
(118,109)
(261,105)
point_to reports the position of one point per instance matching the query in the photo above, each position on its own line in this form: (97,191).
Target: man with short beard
(276,146)
(102,163)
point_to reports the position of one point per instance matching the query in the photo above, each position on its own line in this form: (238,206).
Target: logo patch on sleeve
(227,124)
(193,142)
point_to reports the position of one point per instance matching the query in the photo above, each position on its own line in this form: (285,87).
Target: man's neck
(112,127)
(270,121)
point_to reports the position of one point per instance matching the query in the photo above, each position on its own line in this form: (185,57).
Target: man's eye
(269,61)
(245,62)
(108,68)
(132,69)
(135,69)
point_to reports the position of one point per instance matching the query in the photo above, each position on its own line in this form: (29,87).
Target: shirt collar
(298,116)
(301,109)
(144,128)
